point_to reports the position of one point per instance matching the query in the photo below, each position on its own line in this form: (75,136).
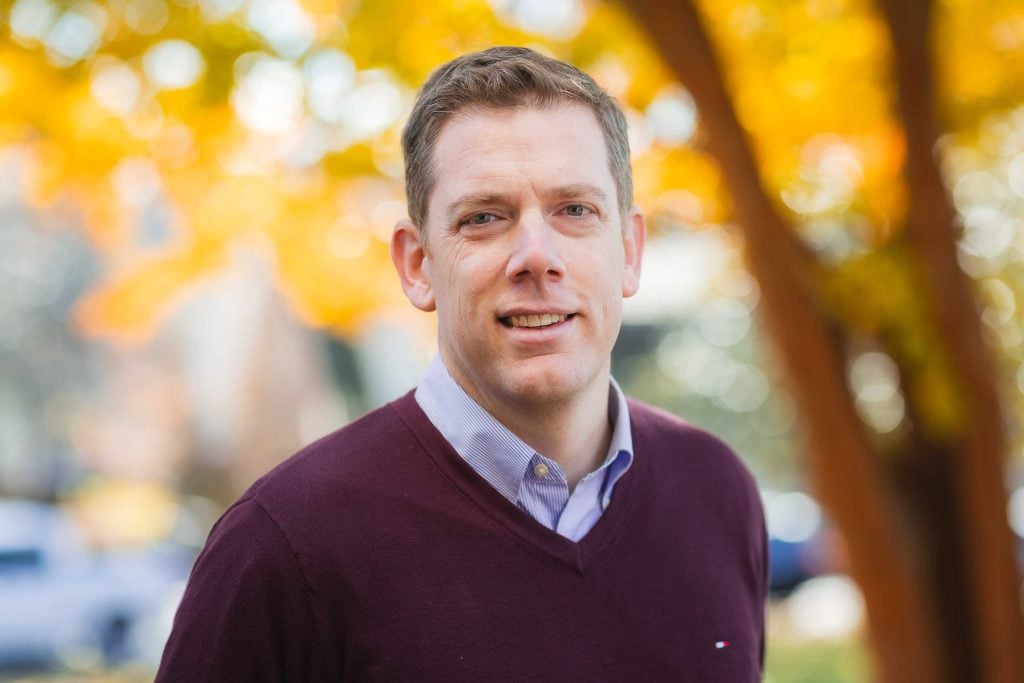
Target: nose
(535,252)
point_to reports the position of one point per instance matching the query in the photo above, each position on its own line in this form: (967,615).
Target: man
(515,518)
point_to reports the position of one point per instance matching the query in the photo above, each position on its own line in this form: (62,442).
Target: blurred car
(65,606)
(796,539)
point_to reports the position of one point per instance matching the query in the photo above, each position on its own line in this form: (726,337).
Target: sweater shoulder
(347,461)
(659,424)
(679,448)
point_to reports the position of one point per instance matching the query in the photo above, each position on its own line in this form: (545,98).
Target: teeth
(542,320)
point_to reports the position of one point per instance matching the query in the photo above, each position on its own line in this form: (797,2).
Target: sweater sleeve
(247,614)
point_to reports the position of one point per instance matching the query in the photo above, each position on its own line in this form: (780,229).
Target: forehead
(512,150)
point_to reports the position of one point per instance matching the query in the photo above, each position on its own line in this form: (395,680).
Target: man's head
(518,237)
(505,78)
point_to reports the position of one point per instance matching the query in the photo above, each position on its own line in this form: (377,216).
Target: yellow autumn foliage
(283,132)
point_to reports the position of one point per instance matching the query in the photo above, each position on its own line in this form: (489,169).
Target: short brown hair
(505,78)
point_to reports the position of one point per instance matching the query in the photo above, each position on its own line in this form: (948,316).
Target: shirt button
(541,470)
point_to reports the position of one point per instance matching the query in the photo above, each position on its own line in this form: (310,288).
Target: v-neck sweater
(377,553)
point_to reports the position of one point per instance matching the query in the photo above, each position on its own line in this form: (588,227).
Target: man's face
(526,255)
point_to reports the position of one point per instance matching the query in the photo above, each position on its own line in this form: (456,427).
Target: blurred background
(195,202)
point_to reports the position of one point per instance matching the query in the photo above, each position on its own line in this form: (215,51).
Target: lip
(535,310)
(531,336)
(505,320)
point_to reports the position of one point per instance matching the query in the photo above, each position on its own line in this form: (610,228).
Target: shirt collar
(493,451)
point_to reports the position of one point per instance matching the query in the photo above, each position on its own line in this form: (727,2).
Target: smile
(540,320)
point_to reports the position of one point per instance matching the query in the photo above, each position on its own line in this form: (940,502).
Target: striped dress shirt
(529,480)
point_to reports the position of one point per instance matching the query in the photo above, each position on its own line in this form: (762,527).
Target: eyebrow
(578,190)
(469,201)
(559,193)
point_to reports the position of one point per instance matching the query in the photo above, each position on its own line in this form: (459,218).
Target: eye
(577,210)
(482,218)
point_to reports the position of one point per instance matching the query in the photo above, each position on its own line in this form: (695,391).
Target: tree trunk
(902,523)
(992,579)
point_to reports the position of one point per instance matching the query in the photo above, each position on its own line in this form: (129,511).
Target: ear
(409,255)
(633,236)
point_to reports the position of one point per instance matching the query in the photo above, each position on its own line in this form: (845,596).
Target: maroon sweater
(377,553)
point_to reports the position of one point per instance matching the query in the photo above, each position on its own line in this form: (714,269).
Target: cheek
(604,283)
(611,310)
(476,275)
(466,296)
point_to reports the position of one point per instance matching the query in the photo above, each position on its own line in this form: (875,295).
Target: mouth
(539,320)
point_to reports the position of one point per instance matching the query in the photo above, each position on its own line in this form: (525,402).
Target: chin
(553,381)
